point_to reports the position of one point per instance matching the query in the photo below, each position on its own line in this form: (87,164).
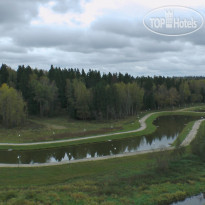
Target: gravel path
(142,127)
(192,133)
(189,138)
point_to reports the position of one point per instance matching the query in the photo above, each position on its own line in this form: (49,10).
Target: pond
(194,200)
(168,128)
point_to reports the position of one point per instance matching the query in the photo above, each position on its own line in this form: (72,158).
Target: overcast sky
(107,35)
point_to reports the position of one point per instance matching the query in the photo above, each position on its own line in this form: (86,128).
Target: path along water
(137,145)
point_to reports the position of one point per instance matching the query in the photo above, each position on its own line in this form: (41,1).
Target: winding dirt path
(187,141)
(142,127)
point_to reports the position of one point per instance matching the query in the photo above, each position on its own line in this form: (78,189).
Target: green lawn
(47,129)
(128,180)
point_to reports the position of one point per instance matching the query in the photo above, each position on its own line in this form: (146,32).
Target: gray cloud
(18,12)
(63,6)
(69,40)
(113,43)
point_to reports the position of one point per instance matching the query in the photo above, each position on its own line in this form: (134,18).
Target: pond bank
(187,141)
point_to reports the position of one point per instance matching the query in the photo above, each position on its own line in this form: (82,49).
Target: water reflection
(194,200)
(199,110)
(168,129)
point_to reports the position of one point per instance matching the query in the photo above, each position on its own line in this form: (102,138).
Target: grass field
(128,180)
(47,129)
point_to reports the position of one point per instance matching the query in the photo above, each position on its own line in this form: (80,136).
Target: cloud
(18,12)
(63,6)
(113,38)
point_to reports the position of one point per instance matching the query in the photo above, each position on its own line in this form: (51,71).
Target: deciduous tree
(45,93)
(12,107)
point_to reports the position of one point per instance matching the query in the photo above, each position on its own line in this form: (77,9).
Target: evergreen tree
(4,74)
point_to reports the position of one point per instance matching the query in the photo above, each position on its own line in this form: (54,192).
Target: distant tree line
(94,95)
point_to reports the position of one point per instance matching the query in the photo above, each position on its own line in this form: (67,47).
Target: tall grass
(198,145)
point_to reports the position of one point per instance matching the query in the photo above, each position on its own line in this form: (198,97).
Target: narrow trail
(192,134)
(142,127)
(187,141)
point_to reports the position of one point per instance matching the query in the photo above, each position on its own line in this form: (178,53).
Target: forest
(89,95)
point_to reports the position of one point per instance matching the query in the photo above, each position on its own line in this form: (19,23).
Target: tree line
(91,95)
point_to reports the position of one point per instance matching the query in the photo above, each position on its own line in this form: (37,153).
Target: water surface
(194,200)
(200,110)
(168,128)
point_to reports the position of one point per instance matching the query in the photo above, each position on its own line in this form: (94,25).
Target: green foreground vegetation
(129,180)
